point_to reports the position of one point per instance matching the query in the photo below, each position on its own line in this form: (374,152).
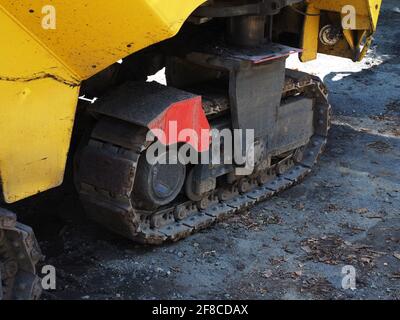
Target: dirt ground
(292,247)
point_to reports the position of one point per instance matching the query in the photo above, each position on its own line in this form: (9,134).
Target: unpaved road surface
(292,247)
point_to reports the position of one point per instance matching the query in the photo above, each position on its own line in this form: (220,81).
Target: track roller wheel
(158,183)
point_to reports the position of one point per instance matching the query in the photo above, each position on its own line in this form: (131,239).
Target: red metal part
(173,115)
(183,122)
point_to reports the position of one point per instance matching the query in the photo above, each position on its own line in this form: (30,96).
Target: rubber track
(107,165)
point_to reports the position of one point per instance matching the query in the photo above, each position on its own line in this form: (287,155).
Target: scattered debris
(380,146)
(267,274)
(393,106)
(332,208)
(362,211)
(395,132)
(275,261)
(317,286)
(274,219)
(333,250)
(306,249)
(212,253)
(299,206)
(396,275)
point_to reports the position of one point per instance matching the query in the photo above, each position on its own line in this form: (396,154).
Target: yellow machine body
(41,70)
(357,39)
(50,46)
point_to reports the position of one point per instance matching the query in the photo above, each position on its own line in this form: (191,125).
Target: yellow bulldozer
(225,69)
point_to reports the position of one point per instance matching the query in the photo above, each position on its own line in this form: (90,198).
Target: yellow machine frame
(357,40)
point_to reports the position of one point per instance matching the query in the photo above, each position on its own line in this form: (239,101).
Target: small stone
(267,274)
(298,273)
(306,249)
(180,254)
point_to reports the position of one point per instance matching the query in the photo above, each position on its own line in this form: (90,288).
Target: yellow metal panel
(375,9)
(35,136)
(38,98)
(91,35)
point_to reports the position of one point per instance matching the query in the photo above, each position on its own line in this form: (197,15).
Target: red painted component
(184,121)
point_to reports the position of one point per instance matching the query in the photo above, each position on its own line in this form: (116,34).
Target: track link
(106,192)
(19,254)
